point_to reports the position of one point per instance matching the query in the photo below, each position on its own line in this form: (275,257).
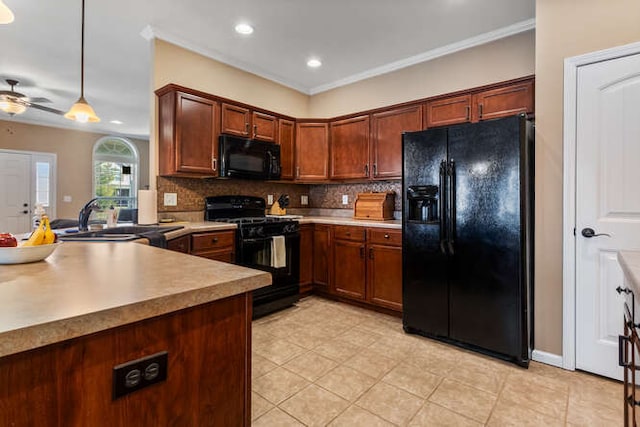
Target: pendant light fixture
(81,111)
(6,16)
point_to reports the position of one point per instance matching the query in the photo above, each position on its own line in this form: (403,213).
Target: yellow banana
(37,237)
(49,235)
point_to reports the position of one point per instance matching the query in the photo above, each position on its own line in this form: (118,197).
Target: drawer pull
(348,233)
(214,240)
(386,236)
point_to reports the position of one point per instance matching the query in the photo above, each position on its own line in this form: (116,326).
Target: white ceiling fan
(12,102)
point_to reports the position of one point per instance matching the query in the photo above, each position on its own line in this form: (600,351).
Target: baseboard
(547,358)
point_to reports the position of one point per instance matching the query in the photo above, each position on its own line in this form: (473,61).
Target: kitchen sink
(116,234)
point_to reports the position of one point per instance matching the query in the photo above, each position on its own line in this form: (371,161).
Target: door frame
(571,66)
(53,182)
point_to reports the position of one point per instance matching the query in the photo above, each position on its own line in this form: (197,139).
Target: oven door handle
(264,239)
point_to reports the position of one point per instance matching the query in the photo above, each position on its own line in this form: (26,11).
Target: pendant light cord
(82,56)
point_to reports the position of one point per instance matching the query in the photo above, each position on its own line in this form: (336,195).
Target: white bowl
(24,254)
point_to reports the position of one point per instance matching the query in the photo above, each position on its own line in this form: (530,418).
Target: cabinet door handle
(375,169)
(480,111)
(255,131)
(370,253)
(297,171)
(366,169)
(246,128)
(361,251)
(214,163)
(468,112)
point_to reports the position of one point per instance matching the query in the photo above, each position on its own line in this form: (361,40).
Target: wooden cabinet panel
(385,276)
(386,139)
(189,126)
(346,232)
(312,151)
(286,139)
(181,244)
(218,245)
(349,269)
(321,255)
(265,127)
(208,378)
(306,257)
(236,120)
(504,101)
(350,148)
(385,236)
(448,111)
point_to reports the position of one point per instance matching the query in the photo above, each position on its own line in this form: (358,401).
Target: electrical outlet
(304,200)
(345,199)
(136,374)
(270,199)
(67,199)
(170,199)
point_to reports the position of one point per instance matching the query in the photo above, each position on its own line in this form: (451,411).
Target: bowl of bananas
(37,247)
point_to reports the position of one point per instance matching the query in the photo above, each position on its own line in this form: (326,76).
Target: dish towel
(278,252)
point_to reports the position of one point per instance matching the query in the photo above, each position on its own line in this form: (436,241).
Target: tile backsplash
(191,192)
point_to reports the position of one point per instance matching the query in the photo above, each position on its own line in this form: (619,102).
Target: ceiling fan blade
(47,109)
(39,100)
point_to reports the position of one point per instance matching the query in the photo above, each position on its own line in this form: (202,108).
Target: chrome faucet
(85,212)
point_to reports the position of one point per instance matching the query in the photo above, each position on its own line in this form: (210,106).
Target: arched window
(115,171)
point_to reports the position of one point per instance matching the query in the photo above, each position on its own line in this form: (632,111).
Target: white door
(607,201)
(15,193)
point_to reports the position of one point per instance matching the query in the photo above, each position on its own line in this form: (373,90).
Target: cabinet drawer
(214,240)
(345,232)
(181,244)
(385,236)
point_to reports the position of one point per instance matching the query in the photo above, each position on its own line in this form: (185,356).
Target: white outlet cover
(345,199)
(304,200)
(270,199)
(170,199)
(67,199)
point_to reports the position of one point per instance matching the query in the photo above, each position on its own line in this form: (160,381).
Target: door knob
(589,233)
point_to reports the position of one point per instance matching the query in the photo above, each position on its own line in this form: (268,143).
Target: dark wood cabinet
(180,244)
(384,252)
(321,255)
(448,111)
(350,148)
(286,139)
(217,245)
(386,139)
(241,121)
(208,378)
(312,151)
(349,262)
(504,101)
(306,257)
(189,126)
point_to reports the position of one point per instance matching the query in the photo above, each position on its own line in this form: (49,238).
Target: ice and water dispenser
(423,203)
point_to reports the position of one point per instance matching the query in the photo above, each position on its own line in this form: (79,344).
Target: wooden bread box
(375,206)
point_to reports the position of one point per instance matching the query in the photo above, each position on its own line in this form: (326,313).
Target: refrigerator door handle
(443,222)
(451,232)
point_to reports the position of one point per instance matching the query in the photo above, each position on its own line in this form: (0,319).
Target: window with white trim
(115,171)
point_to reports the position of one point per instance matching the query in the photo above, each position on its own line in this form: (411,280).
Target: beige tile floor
(327,363)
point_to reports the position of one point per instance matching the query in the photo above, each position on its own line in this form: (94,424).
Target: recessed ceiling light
(314,63)
(116,122)
(244,29)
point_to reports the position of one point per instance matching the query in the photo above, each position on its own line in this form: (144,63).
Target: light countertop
(335,220)
(84,288)
(630,263)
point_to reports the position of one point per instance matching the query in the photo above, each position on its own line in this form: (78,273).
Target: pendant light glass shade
(81,111)
(11,107)
(6,16)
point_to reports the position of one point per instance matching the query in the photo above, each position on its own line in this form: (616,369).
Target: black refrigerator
(467,235)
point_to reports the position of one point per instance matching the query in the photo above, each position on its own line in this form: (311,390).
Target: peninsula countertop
(84,288)
(630,263)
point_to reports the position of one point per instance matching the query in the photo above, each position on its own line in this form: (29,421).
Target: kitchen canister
(147,207)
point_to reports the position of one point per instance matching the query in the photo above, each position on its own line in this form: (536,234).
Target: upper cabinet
(312,151)
(286,132)
(350,148)
(496,101)
(188,135)
(503,101)
(241,121)
(386,139)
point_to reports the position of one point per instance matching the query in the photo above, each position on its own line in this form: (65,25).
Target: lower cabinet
(321,256)
(306,257)
(367,265)
(217,245)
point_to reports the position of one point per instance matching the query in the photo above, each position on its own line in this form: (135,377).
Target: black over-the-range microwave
(248,158)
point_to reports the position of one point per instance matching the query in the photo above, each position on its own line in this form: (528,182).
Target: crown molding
(150,33)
